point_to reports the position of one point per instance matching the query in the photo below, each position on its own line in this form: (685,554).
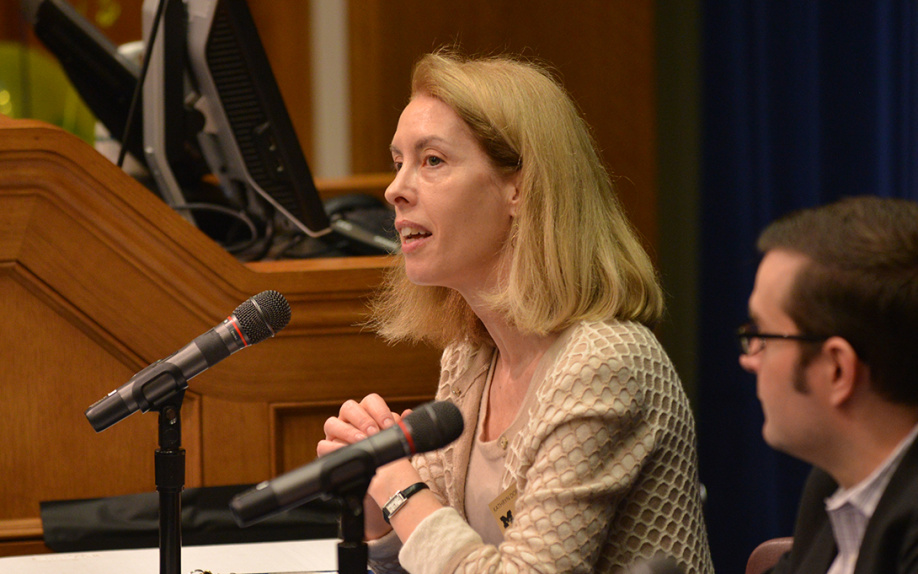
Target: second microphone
(429,427)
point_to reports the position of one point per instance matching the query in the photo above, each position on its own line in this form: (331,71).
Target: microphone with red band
(255,320)
(348,469)
(407,434)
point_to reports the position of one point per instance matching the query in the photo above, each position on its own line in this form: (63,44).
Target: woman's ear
(513,192)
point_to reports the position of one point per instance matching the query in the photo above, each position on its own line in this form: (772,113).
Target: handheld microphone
(429,427)
(255,320)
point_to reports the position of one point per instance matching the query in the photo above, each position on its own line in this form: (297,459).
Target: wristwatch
(399,499)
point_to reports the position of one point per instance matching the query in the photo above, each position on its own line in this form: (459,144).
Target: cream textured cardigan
(605,466)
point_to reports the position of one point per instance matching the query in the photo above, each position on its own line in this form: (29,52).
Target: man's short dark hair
(861,283)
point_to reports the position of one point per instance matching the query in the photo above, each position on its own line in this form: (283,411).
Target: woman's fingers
(375,406)
(326,446)
(356,421)
(338,429)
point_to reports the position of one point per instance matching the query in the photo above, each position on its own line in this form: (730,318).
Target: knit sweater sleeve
(605,469)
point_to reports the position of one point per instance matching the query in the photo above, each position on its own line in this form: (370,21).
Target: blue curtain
(802,103)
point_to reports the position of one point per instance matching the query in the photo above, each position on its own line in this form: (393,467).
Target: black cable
(239,215)
(135,97)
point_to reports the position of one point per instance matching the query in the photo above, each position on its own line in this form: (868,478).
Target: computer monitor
(211,105)
(101,75)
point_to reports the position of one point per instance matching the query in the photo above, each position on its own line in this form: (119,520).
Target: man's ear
(846,369)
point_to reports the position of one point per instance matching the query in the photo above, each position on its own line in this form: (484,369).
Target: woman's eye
(433,160)
(396,165)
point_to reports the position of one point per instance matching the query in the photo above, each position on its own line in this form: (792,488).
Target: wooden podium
(99,278)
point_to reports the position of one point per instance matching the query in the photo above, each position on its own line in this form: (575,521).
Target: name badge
(502,507)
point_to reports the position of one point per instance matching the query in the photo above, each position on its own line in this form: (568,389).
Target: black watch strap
(399,499)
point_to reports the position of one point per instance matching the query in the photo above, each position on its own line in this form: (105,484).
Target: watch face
(397,500)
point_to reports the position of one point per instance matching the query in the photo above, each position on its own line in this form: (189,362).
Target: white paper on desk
(256,558)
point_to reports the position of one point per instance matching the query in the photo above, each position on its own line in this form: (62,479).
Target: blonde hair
(573,255)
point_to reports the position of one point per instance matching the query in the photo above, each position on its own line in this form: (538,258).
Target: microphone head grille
(434,425)
(262,316)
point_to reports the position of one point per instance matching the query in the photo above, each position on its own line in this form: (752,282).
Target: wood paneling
(602,50)
(100,278)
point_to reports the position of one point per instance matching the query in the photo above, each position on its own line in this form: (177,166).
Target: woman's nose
(397,191)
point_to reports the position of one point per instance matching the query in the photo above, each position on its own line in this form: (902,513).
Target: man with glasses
(832,342)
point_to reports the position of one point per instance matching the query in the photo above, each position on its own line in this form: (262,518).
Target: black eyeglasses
(751,341)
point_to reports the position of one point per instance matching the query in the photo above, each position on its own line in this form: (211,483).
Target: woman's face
(453,208)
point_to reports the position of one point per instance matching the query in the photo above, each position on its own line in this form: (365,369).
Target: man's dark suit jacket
(890,544)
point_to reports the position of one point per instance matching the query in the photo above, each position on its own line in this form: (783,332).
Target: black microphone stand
(170,481)
(349,496)
(170,457)
(352,549)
